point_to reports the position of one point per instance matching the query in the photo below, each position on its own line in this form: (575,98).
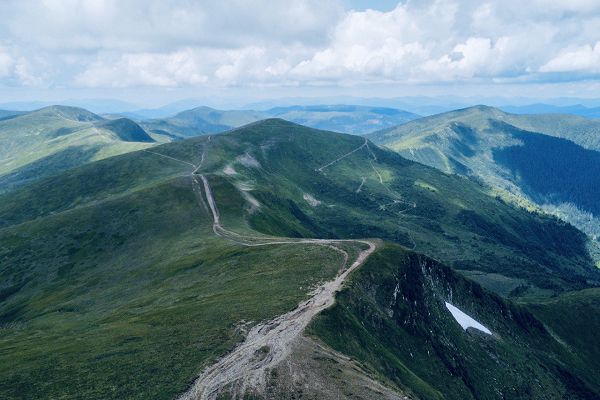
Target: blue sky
(155,51)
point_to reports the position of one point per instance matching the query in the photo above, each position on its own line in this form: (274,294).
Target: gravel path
(267,344)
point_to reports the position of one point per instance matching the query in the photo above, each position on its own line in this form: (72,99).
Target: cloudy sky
(154,49)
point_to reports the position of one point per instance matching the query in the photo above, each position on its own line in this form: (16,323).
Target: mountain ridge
(133,286)
(54,138)
(556,171)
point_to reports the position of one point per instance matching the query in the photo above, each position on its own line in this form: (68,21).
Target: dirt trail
(269,343)
(366,143)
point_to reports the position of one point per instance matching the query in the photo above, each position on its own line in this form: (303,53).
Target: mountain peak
(68,112)
(274,123)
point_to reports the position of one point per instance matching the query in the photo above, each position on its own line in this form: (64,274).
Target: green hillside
(524,157)
(392,317)
(573,319)
(117,282)
(580,130)
(56,138)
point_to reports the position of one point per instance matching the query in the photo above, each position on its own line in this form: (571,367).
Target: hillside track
(268,343)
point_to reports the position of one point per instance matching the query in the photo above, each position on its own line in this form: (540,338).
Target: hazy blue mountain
(200,121)
(340,118)
(343,118)
(540,108)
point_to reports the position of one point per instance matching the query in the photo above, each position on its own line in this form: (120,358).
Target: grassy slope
(114,285)
(6,114)
(392,318)
(574,320)
(579,130)
(130,294)
(503,151)
(53,139)
(454,220)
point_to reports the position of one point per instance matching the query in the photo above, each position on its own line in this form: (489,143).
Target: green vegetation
(53,139)
(6,114)
(392,317)
(131,296)
(126,130)
(573,320)
(502,150)
(459,224)
(115,286)
(547,167)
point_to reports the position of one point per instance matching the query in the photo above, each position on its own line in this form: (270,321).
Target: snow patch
(464,320)
(228,170)
(311,200)
(248,161)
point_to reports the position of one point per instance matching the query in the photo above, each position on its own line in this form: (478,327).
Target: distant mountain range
(560,176)
(54,138)
(552,160)
(339,118)
(200,121)
(343,118)
(580,110)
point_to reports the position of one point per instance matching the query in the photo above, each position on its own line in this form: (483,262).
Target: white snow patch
(311,200)
(464,320)
(228,170)
(248,161)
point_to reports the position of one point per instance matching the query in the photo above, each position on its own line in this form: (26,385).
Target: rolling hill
(56,138)
(127,277)
(550,160)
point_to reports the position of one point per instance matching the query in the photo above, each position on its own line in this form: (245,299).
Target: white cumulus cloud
(145,69)
(182,43)
(581,59)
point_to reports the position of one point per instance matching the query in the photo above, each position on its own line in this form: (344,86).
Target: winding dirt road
(269,343)
(266,344)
